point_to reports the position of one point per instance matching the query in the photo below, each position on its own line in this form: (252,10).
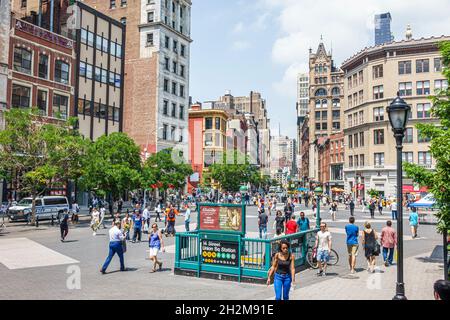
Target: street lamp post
(398,116)
(318,192)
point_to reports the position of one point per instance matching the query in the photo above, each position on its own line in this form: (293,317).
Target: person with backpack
(171,214)
(351,205)
(303,222)
(372,209)
(137,226)
(262,223)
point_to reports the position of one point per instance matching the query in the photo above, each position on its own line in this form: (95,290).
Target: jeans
(394,214)
(137,233)
(282,285)
(391,254)
(186,225)
(114,247)
(64,231)
(263,232)
(352,211)
(171,227)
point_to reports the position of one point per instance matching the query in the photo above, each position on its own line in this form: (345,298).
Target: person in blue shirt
(303,222)
(414,222)
(352,232)
(137,226)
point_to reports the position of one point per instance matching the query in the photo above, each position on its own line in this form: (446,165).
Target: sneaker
(319,273)
(352,272)
(94,234)
(102,271)
(324,274)
(386,263)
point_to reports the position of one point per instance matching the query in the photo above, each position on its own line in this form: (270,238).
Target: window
(118,51)
(404,67)
(324,126)
(60,106)
(22,60)
(174,110)
(98,74)
(437,64)
(166,85)
(88,71)
(350,141)
(361,96)
(90,39)
(324,115)
(42,102)
(408,135)
(164,132)
(355,99)
(217,126)
(112,4)
(118,80)
(350,103)
(350,161)
(355,80)
(166,107)
(318,104)
(175,46)
(377,71)
(208,139)
(422,65)
(318,126)
(349,82)
(182,71)
(61,72)
(336,114)
(324,103)
(379,159)
(361,160)
(123,3)
(361,117)
(175,67)
(105,44)
(349,120)
(181,113)
(408,157)
(149,39)
(335,91)
(104,76)
(336,103)
(23,4)
(21,96)
(361,139)
(440,85)
(43,66)
(208,123)
(123,21)
(356,161)
(181,135)
(82,70)
(378,136)
(183,50)
(378,92)
(98,42)
(321,92)
(355,140)
(150,17)
(174,88)
(361,77)
(84,36)
(423,87)
(317,115)
(336,126)
(422,138)
(425,158)
(166,63)
(166,42)
(378,114)
(405,89)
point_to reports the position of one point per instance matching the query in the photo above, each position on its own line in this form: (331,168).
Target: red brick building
(331,162)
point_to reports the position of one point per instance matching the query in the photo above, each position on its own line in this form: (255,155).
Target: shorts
(352,250)
(323,255)
(154,251)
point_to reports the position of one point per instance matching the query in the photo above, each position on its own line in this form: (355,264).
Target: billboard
(224,218)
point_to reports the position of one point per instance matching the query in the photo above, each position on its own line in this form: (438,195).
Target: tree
(373,193)
(438,180)
(35,154)
(161,171)
(112,166)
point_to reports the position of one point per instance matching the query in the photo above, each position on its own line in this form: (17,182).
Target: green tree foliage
(373,193)
(438,180)
(163,170)
(35,154)
(112,166)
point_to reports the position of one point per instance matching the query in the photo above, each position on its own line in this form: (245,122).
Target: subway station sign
(222,253)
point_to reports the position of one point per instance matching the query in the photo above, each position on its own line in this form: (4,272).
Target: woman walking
(370,244)
(95,222)
(155,244)
(279,223)
(284,269)
(126,225)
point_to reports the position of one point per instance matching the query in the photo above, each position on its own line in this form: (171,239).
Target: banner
(221,218)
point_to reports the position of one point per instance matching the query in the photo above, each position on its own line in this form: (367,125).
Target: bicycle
(311,254)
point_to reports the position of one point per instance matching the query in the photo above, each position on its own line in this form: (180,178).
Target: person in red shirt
(291,226)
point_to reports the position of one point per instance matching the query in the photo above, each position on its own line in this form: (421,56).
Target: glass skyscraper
(383,28)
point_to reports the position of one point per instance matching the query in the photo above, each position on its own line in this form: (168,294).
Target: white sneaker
(94,234)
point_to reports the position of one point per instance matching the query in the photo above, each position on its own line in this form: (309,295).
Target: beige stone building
(373,77)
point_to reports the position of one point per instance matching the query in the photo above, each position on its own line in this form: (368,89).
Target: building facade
(283,155)
(157,62)
(302,110)
(331,162)
(383,32)
(413,68)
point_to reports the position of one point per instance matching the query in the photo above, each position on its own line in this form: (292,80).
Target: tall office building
(156,69)
(302,110)
(383,32)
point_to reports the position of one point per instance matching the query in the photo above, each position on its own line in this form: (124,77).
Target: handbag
(124,246)
(377,249)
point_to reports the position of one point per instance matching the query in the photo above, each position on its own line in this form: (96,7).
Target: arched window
(317,103)
(335,91)
(324,103)
(320,68)
(317,68)
(321,92)
(336,103)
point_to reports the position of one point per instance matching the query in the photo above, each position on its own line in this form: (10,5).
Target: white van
(46,208)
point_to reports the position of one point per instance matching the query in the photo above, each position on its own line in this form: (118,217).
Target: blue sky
(261,45)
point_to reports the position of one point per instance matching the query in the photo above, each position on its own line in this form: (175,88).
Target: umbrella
(426,202)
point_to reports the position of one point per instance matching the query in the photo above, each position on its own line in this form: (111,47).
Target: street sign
(223,253)
(223,218)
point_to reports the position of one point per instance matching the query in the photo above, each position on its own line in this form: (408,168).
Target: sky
(261,45)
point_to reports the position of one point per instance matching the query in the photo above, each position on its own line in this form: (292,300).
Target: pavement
(34,258)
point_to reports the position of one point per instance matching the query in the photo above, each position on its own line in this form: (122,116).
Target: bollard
(37,221)
(53,222)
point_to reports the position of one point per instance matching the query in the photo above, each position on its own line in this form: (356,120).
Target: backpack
(171,215)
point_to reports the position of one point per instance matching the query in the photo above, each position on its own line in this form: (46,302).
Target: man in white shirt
(102,216)
(187,218)
(394,210)
(115,246)
(323,246)
(146,217)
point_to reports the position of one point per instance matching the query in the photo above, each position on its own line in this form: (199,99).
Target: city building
(302,110)
(100,73)
(207,141)
(157,62)
(331,163)
(325,96)
(373,76)
(304,151)
(283,156)
(383,32)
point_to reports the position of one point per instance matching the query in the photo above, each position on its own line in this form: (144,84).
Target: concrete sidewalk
(420,273)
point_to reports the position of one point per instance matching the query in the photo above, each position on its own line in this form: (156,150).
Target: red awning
(360,187)
(410,188)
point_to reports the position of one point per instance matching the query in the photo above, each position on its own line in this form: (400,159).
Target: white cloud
(240,45)
(238,27)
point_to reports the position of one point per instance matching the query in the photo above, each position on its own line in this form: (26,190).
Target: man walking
(323,246)
(413,222)
(303,222)
(388,242)
(171,214)
(288,210)
(352,232)
(64,225)
(187,217)
(394,210)
(146,218)
(262,223)
(137,226)
(372,209)
(115,246)
(352,207)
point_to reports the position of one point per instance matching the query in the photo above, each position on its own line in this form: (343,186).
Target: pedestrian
(146,219)
(263,219)
(372,209)
(369,241)
(291,226)
(137,226)
(75,212)
(102,216)
(156,243)
(279,223)
(126,225)
(352,207)
(187,217)
(352,232)
(116,218)
(119,206)
(115,246)
(64,225)
(171,214)
(413,222)
(394,210)
(95,221)
(303,222)
(333,210)
(442,290)
(323,246)
(288,210)
(158,211)
(284,269)
(388,242)
(380,206)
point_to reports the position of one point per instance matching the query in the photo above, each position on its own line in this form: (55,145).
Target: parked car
(46,208)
